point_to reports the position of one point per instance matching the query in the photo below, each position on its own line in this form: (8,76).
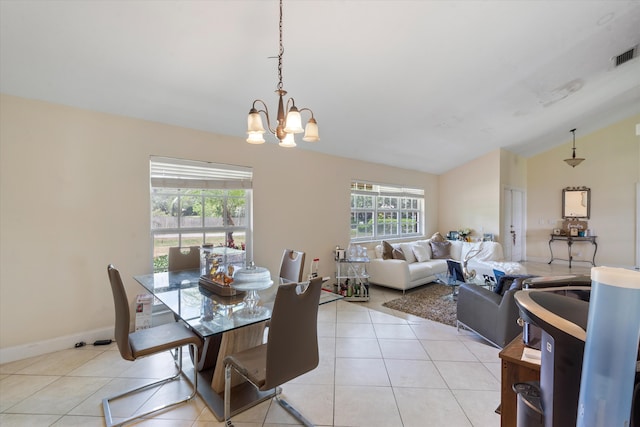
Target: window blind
(179,173)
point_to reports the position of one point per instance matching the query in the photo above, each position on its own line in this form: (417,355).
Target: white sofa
(408,273)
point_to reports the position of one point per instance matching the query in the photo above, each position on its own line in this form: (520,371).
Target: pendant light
(574,161)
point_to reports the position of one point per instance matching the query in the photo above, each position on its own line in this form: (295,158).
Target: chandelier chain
(280,52)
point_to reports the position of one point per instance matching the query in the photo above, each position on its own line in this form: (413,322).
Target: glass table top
(206,312)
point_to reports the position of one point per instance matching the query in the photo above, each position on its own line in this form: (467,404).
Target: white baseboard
(11,354)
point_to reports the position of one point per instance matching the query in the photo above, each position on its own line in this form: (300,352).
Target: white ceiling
(425,85)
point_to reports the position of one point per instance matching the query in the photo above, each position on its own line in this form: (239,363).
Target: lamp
(287,125)
(574,161)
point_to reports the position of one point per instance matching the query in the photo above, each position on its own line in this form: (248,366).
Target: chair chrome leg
(293,411)
(107,409)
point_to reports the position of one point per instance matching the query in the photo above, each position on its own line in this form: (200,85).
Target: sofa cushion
(456,249)
(420,270)
(441,250)
(422,251)
(407,250)
(387,250)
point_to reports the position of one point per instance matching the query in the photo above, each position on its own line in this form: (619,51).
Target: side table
(514,370)
(570,241)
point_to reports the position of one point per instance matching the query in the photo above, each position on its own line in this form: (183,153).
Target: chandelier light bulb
(288,141)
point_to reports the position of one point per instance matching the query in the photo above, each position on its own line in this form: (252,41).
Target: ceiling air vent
(625,56)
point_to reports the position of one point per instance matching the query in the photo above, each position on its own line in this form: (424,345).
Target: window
(198,202)
(383,211)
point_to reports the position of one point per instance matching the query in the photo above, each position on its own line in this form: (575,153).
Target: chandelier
(287,125)
(574,161)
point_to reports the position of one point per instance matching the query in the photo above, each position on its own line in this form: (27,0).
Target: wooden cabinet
(514,370)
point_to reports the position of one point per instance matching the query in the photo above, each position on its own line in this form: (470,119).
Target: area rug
(429,302)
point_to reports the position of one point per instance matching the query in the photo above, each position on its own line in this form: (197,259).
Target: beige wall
(470,196)
(75,197)
(611,170)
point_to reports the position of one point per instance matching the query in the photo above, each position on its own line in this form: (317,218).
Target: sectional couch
(409,264)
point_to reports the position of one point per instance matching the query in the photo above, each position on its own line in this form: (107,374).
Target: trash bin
(529,408)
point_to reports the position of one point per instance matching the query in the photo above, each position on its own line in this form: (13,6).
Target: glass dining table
(212,316)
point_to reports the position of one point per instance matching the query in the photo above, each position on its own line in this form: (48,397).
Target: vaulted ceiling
(425,85)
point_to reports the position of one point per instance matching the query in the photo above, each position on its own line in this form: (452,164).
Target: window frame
(170,177)
(388,201)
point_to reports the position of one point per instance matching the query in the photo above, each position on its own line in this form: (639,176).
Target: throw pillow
(407,250)
(437,237)
(387,250)
(378,251)
(421,252)
(398,254)
(440,250)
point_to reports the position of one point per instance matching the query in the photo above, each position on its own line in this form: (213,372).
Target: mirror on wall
(576,202)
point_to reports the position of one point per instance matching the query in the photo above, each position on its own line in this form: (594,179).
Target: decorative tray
(216,288)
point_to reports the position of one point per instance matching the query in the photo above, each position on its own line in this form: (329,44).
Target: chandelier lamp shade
(574,161)
(286,125)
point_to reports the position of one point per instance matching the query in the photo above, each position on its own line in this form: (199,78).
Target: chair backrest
(455,270)
(292,265)
(121,303)
(180,259)
(292,343)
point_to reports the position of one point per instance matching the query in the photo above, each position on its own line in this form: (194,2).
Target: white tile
(483,351)
(173,391)
(354,316)
(394,331)
(355,330)
(106,364)
(369,372)
(467,376)
(27,420)
(402,349)
(79,421)
(414,373)
(448,350)
(327,330)
(429,408)
(434,331)
(15,388)
(480,406)
(60,396)
(120,408)
(60,362)
(495,368)
(358,347)
(366,407)
(379,317)
(314,402)
(17,365)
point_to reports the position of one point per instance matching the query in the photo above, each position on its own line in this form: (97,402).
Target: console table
(570,241)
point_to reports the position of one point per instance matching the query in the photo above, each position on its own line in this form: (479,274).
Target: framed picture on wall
(453,235)
(487,237)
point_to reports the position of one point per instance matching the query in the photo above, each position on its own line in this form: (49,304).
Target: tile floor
(378,367)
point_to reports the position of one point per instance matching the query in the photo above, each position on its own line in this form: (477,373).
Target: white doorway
(513,240)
